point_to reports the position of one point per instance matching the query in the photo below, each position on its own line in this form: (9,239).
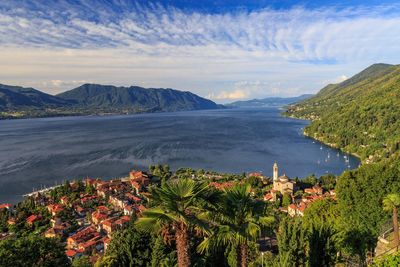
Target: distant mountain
(360,115)
(88,99)
(135,98)
(15,98)
(269,102)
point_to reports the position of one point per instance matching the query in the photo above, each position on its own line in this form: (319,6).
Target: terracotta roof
(126,217)
(79,209)
(128,207)
(5,206)
(56,208)
(108,222)
(222,185)
(302,207)
(31,219)
(99,216)
(123,220)
(268,196)
(71,253)
(141,208)
(103,209)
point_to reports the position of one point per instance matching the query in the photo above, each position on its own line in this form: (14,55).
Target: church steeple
(275,172)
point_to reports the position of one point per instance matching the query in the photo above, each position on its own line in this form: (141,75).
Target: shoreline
(321,141)
(234,171)
(104,114)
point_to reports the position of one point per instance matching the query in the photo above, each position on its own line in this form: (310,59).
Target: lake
(41,152)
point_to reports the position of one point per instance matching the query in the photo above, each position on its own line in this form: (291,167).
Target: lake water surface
(41,152)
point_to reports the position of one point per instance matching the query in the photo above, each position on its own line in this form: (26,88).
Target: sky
(222,50)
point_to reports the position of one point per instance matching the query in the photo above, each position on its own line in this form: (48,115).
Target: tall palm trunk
(182,245)
(396,227)
(242,255)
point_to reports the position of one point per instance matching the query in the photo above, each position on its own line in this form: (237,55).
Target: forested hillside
(96,96)
(359,115)
(90,99)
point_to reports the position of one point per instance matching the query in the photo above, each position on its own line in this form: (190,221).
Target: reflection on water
(38,152)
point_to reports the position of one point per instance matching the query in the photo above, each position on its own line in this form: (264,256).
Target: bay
(41,152)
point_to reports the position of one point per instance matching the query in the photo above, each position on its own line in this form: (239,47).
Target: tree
(321,212)
(391,203)
(322,247)
(240,219)
(359,194)
(177,206)
(83,261)
(32,251)
(292,243)
(286,200)
(160,251)
(129,247)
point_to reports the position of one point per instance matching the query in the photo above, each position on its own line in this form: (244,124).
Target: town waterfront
(42,152)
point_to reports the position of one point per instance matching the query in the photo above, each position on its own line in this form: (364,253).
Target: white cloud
(233,55)
(338,79)
(234,95)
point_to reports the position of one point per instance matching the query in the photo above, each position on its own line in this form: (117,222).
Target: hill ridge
(87,99)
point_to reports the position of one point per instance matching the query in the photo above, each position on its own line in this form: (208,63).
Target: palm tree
(238,222)
(391,203)
(178,206)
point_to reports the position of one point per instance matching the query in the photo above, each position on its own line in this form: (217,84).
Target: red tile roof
(268,196)
(71,253)
(33,218)
(223,185)
(5,206)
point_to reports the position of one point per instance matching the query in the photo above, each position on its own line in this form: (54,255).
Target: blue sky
(223,50)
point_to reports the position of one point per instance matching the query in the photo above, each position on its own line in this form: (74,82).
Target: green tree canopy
(32,251)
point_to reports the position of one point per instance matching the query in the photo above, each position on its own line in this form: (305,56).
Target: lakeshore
(42,152)
(86,214)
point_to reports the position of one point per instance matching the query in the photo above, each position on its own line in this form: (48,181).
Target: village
(84,214)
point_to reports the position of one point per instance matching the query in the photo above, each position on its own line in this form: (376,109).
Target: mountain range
(268,102)
(361,115)
(88,99)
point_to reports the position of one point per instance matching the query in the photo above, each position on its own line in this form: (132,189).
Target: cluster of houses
(125,197)
(111,204)
(95,216)
(283,185)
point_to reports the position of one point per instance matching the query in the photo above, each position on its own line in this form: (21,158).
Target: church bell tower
(275,172)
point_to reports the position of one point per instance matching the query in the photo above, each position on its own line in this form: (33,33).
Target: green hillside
(16,97)
(360,115)
(134,98)
(90,99)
